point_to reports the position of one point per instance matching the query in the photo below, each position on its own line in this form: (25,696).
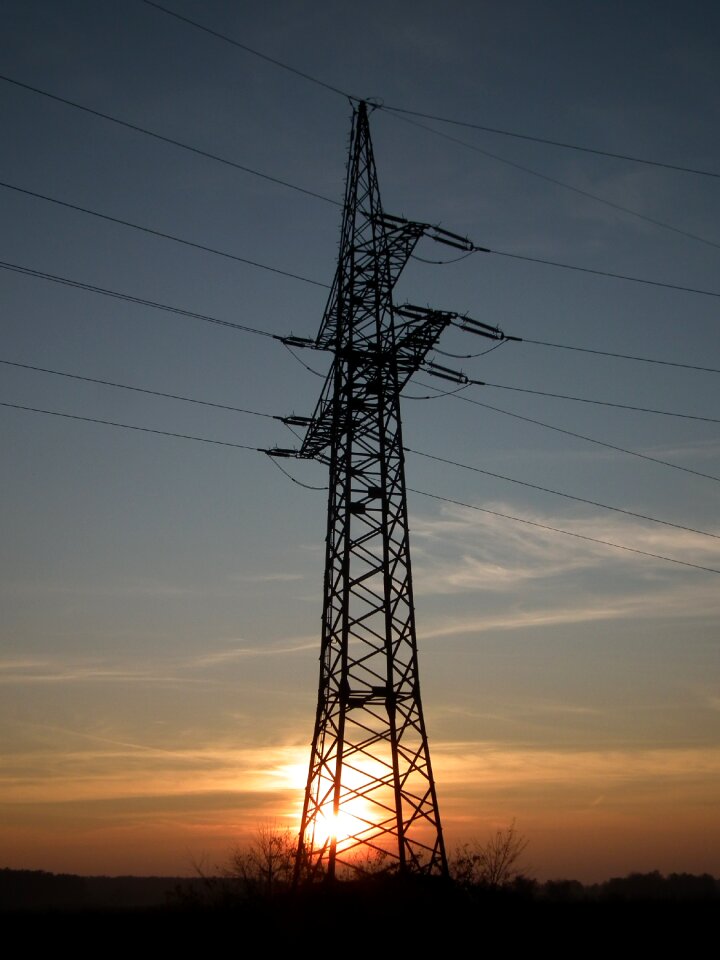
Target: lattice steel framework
(370,786)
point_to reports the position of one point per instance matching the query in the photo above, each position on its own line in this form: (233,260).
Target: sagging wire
(307,486)
(470,356)
(302,362)
(436,396)
(440,263)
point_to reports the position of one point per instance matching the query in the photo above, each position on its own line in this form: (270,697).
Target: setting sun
(343,827)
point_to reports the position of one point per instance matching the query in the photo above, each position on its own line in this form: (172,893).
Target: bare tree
(265,866)
(493,864)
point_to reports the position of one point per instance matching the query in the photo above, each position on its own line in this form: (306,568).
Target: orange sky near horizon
(113,808)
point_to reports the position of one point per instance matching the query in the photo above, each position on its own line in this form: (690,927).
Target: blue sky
(162,597)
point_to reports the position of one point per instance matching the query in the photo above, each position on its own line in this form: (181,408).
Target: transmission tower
(370,788)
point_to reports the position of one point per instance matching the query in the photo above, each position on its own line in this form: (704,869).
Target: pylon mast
(370,786)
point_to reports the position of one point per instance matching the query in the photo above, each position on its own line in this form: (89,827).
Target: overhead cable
(292,186)
(581,436)
(164,236)
(560,493)
(247,49)
(560,183)
(400,110)
(306,486)
(620,356)
(397,112)
(169,140)
(326,286)
(240,446)
(271,416)
(457,376)
(125,386)
(119,295)
(602,403)
(553,143)
(130,426)
(602,273)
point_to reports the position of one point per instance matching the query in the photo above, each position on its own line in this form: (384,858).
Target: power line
(559,183)
(169,140)
(601,273)
(255,53)
(553,143)
(473,356)
(397,110)
(222,253)
(567,533)
(231,163)
(438,394)
(602,403)
(442,263)
(580,436)
(322,197)
(130,426)
(118,295)
(222,406)
(285,183)
(214,251)
(271,416)
(306,486)
(559,493)
(302,362)
(66,281)
(318,283)
(620,356)
(125,386)
(164,236)
(240,446)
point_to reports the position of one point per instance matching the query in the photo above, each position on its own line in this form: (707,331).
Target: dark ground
(381,915)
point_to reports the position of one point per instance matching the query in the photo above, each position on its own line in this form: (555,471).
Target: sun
(343,827)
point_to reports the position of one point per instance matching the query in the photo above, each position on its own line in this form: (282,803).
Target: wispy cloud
(69,669)
(477,763)
(219,657)
(689,603)
(267,577)
(461,550)
(527,708)
(65,765)
(202,668)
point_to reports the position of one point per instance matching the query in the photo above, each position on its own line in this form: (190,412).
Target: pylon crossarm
(397,244)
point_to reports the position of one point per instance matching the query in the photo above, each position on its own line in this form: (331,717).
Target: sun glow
(344,827)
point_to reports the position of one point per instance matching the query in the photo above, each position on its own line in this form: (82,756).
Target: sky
(161,597)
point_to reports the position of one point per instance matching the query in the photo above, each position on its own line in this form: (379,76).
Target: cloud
(66,765)
(489,764)
(692,603)
(528,707)
(174,670)
(141,588)
(32,671)
(706,449)
(73,767)
(219,657)
(462,550)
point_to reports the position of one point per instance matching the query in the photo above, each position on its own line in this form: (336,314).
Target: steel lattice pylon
(370,786)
